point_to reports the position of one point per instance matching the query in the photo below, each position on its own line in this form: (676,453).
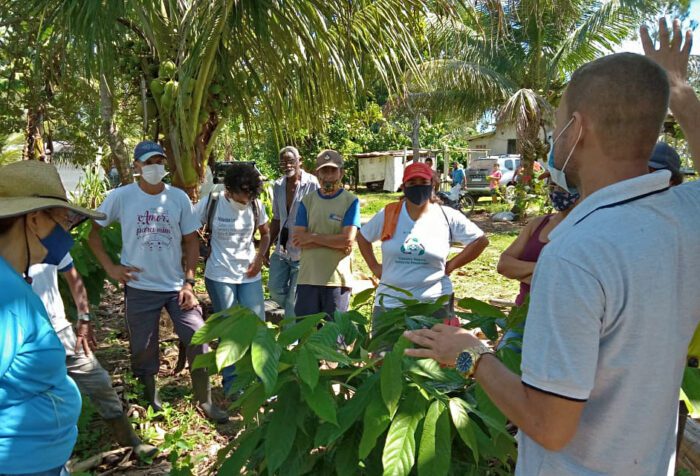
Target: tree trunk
(415,140)
(34,144)
(118,152)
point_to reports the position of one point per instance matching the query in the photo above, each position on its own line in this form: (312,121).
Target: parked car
(479,169)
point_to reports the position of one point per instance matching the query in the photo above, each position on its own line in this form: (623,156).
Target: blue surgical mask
(58,244)
(558,176)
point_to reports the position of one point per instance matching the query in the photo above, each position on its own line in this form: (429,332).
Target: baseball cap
(417,170)
(329,158)
(665,157)
(146,149)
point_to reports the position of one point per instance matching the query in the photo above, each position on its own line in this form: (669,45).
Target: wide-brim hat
(30,185)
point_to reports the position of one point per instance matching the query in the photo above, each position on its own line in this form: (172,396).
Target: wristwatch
(84,317)
(190,281)
(468,359)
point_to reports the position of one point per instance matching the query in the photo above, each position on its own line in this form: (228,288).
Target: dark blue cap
(147,149)
(665,157)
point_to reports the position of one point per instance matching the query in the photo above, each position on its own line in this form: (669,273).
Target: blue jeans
(283,282)
(226,295)
(60,471)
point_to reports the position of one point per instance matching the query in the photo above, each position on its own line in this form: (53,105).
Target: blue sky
(635,46)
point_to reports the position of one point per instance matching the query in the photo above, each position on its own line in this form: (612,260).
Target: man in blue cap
(157,223)
(665,157)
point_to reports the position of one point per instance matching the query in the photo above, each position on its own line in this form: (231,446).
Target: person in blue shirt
(458,176)
(39,403)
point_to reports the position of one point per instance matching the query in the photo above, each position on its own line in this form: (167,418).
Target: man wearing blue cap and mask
(594,357)
(665,157)
(156,221)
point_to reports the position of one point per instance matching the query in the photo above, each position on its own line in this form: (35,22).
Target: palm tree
(514,58)
(200,62)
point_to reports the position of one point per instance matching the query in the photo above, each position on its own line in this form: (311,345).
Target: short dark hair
(429,159)
(627,96)
(243,178)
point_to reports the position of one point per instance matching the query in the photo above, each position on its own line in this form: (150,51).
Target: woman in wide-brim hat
(39,403)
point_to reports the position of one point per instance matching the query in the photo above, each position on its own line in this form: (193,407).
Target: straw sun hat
(29,185)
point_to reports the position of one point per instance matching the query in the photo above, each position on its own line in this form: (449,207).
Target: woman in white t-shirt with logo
(232,274)
(416,242)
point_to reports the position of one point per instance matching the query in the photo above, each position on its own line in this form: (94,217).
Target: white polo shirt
(615,300)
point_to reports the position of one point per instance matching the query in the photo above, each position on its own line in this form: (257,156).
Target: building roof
(393,153)
(482,135)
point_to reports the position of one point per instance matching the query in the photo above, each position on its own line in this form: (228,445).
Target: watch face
(464,362)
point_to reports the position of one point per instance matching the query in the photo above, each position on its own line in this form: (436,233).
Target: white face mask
(154,173)
(558,176)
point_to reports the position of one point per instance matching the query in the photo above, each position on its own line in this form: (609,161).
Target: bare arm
(370,258)
(191,254)
(467,255)
(85,336)
(261,255)
(187,298)
(119,273)
(341,241)
(548,419)
(77,290)
(509,265)
(673,55)
(274,231)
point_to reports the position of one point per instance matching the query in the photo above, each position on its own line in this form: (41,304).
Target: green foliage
(312,405)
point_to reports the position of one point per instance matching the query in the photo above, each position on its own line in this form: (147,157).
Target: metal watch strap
(478,352)
(84,317)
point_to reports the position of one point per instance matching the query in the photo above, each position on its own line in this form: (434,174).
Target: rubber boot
(202,393)
(126,436)
(150,392)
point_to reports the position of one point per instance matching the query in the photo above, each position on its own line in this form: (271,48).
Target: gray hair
(290,149)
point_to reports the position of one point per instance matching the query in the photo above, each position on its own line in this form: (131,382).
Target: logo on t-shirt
(413,246)
(154,231)
(335,217)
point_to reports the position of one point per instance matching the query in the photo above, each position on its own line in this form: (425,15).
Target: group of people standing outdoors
(619,251)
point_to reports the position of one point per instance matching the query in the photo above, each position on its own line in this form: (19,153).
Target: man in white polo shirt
(615,293)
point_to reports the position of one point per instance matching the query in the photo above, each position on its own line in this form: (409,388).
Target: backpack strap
(391,218)
(211,211)
(449,228)
(255,204)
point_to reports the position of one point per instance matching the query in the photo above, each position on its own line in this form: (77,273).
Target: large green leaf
(323,352)
(265,353)
(299,329)
(465,426)
(215,327)
(251,401)
(400,447)
(375,422)
(391,376)
(307,367)
(435,450)
(691,390)
(282,429)
(321,402)
(248,442)
(237,339)
(205,361)
(348,414)
(481,308)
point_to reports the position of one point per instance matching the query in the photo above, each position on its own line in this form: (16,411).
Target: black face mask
(418,194)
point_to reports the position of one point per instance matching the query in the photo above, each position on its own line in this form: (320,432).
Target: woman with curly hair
(232,273)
